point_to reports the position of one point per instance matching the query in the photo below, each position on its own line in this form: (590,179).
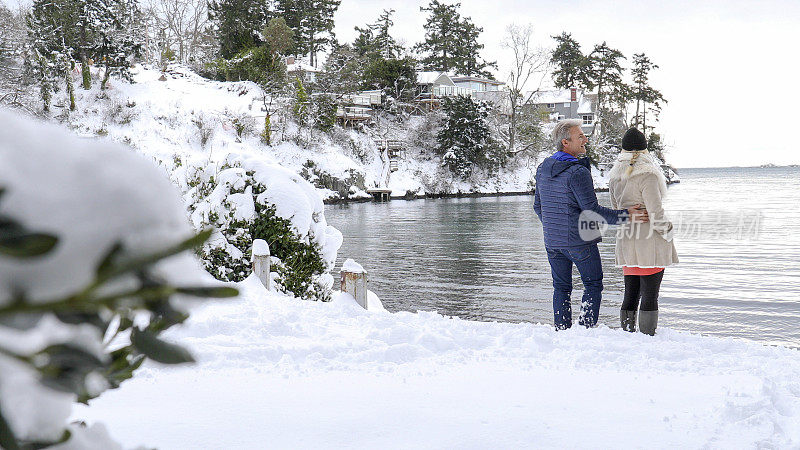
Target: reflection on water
(484,259)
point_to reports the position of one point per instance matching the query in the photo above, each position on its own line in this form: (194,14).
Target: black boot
(648,321)
(627,320)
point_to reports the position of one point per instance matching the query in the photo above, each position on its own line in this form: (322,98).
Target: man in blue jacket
(572,222)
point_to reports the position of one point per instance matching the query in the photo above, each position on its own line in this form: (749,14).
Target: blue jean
(587,260)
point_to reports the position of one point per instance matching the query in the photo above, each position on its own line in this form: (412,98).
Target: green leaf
(116,377)
(7,439)
(27,245)
(77,318)
(107,263)
(67,367)
(212,292)
(158,350)
(68,356)
(110,270)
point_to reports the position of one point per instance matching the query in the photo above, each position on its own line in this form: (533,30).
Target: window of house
(566,104)
(587,119)
(551,105)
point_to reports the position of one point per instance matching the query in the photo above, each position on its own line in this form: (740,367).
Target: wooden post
(261,259)
(354,281)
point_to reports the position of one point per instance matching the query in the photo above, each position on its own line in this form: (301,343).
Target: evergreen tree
(571,65)
(320,26)
(451,42)
(238,23)
(605,73)
(642,92)
(465,141)
(312,23)
(385,44)
(62,31)
(396,77)
(343,71)
(301,106)
(121,41)
(364,44)
(324,111)
(278,37)
(48,27)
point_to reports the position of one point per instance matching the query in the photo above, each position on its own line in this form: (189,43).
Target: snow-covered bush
(247,199)
(94,265)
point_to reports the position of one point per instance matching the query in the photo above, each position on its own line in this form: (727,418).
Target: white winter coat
(650,244)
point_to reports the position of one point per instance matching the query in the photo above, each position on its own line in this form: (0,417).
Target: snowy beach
(277,373)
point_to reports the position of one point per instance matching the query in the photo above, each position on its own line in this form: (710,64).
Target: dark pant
(645,287)
(587,260)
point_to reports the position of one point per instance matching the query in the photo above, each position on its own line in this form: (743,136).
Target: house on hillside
(298,68)
(358,107)
(433,86)
(477,84)
(555,105)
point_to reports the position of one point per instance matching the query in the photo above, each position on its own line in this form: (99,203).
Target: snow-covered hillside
(195,119)
(278,373)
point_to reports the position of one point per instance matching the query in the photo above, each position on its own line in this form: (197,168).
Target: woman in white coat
(643,249)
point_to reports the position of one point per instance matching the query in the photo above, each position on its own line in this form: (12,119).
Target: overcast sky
(727,68)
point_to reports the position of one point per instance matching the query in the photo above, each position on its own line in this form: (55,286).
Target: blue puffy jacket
(564,189)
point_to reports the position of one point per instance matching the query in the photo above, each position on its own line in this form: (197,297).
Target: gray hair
(561,131)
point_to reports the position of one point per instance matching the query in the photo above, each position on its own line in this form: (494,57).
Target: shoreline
(342,201)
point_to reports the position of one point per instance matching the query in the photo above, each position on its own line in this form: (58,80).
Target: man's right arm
(583,188)
(537,203)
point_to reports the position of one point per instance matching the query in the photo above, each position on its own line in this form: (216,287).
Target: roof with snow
(299,65)
(463,78)
(440,78)
(585,103)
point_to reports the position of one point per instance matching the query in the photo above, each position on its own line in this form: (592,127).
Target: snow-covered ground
(275,372)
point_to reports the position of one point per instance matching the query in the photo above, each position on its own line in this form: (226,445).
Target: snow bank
(332,375)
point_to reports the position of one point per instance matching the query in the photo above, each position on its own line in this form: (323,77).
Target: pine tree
(465,140)
(300,108)
(49,32)
(238,24)
(312,23)
(324,111)
(364,44)
(343,71)
(642,92)
(62,31)
(605,73)
(451,42)
(320,26)
(396,77)
(385,44)
(120,41)
(571,65)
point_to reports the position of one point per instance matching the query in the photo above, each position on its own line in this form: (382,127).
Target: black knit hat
(634,140)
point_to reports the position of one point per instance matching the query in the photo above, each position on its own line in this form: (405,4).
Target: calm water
(738,238)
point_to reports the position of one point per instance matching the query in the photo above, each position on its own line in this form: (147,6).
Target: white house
(433,86)
(477,84)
